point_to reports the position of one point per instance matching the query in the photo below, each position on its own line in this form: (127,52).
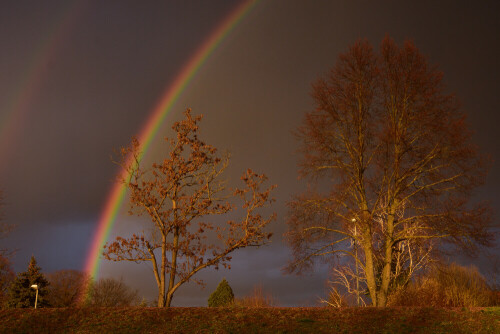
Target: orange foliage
(179,194)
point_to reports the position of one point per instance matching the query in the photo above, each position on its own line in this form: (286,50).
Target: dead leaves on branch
(181,195)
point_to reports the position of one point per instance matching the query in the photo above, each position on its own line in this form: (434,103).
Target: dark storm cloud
(106,76)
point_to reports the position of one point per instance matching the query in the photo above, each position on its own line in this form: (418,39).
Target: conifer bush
(222,296)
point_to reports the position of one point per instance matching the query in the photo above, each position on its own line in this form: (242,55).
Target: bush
(446,286)
(222,296)
(109,292)
(256,299)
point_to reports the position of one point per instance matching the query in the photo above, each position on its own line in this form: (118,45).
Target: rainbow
(32,78)
(147,134)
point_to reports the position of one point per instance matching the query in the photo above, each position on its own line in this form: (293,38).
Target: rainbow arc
(148,133)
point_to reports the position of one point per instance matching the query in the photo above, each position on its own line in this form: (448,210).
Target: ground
(251,320)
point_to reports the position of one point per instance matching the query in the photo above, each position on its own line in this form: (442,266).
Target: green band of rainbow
(172,93)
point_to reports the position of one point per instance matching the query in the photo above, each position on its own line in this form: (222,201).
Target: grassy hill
(250,320)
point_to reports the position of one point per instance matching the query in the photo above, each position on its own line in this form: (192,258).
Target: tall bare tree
(178,195)
(395,153)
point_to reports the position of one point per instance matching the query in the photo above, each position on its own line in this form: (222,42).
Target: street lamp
(35,286)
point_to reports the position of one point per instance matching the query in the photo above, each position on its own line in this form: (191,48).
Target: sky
(79,78)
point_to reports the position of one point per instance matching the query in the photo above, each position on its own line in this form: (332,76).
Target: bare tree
(66,287)
(176,194)
(109,292)
(395,152)
(335,298)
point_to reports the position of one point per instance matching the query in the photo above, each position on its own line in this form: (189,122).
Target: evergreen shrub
(222,296)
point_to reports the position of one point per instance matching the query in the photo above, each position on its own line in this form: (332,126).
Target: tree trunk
(169,299)
(170,295)
(161,297)
(370,272)
(161,288)
(366,244)
(386,278)
(173,269)
(157,275)
(386,270)
(161,284)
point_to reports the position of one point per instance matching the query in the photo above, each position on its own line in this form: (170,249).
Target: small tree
(66,287)
(21,295)
(222,296)
(179,194)
(334,298)
(109,292)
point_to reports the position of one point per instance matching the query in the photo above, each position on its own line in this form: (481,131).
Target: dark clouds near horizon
(113,62)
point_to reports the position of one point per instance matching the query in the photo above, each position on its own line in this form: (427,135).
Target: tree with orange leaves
(178,195)
(395,154)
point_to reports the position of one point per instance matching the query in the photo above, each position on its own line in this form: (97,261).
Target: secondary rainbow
(150,129)
(30,82)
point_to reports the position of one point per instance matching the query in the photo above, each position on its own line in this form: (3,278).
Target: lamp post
(35,286)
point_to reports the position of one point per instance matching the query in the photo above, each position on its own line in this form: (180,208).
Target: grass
(251,320)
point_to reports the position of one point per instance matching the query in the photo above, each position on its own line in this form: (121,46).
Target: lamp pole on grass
(35,286)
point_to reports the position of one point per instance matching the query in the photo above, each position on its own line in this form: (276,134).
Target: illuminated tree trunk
(386,270)
(161,287)
(170,291)
(370,270)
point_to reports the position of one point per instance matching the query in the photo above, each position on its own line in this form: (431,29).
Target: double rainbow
(148,132)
